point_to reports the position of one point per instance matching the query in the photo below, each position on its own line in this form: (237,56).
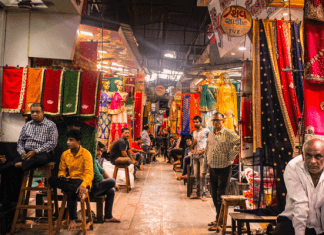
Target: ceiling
(160,26)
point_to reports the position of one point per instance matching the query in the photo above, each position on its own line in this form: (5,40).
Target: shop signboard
(286,4)
(203,3)
(177,97)
(160,90)
(236,21)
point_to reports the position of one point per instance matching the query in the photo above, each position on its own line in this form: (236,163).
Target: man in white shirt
(146,142)
(304,211)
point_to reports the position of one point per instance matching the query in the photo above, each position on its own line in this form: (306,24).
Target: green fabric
(207,100)
(130,101)
(97,171)
(237,85)
(71,92)
(112,80)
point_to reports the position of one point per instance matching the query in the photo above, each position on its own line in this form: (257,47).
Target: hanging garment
(34,87)
(130,107)
(118,122)
(298,63)
(138,114)
(14,89)
(52,95)
(207,100)
(165,121)
(104,125)
(315,51)
(71,92)
(314,108)
(194,109)
(287,81)
(207,118)
(105,101)
(237,85)
(246,119)
(247,78)
(86,55)
(118,103)
(314,10)
(89,94)
(185,122)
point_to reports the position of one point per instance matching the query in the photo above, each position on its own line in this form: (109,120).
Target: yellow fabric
(34,88)
(79,166)
(227,105)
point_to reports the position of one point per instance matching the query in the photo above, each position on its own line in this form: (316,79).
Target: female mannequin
(103,127)
(227,102)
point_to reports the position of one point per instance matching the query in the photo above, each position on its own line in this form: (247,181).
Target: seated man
(138,150)
(104,185)
(75,173)
(303,177)
(37,140)
(158,141)
(120,153)
(187,158)
(175,149)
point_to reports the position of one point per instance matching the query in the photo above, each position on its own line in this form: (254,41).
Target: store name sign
(236,21)
(160,90)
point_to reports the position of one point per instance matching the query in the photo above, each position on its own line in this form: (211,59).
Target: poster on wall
(203,3)
(236,21)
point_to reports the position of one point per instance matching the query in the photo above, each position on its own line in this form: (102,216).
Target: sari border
(59,98)
(76,96)
(275,70)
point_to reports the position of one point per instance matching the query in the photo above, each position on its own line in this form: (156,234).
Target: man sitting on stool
(304,181)
(104,185)
(137,149)
(75,173)
(175,148)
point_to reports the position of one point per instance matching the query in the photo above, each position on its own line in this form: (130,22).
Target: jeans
(38,160)
(285,227)
(69,187)
(139,159)
(105,187)
(201,182)
(175,152)
(186,162)
(145,155)
(219,180)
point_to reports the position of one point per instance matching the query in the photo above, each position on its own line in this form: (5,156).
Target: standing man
(37,140)
(222,147)
(146,142)
(200,136)
(120,153)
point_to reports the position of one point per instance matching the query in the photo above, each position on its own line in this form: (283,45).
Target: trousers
(201,182)
(285,227)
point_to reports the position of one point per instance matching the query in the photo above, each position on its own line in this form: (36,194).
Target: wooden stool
(178,163)
(128,187)
(229,200)
(25,191)
(84,225)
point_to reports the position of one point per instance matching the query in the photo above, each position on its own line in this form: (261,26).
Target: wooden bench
(241,218)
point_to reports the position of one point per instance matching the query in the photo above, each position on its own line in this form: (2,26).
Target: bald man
(304,212)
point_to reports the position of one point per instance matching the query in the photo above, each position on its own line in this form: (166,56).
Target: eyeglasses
(217,120)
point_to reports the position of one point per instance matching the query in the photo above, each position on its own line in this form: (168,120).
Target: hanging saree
(247,78)
(138,114)
(315,51)
(52,95)
(118,103)
(71,92)
(185,122)
(86,55)
(314,10)
(237,85)
(287,81)
(207,118)
(194,109)
(90,93)
(165,121)
(34,87)
(246,130)
(298,63)
(14,89)
(207,101)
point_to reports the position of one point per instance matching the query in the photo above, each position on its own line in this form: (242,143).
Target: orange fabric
(194,108)
(34,88)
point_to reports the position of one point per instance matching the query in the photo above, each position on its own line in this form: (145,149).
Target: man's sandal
(212,223)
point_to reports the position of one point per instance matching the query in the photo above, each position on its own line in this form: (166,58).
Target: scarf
(71,92)
(34,87)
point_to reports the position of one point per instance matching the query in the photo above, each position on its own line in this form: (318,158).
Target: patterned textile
(14,89)
(130,80)
(71,92)
(118,103)
(138,114)
(194,109)
(277,133)
(298,63)
(165,121)
(207,118)
(40,137)
(246,119)
(314,108)
(185,122)
(118,122)
(315,51)
(237,85)
(34,87)
(207,101)
(89,92)
(86,55)
(52,95)
(287,81)
(314,10)
(105,101)
(140,82)
(130,90)
(104,128)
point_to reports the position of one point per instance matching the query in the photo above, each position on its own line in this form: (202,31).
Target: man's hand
(134,162)
(23,156)
(30,154)
(203,175)
(82,190)
(201,152)
(2,159)
(116,187)
(169,150)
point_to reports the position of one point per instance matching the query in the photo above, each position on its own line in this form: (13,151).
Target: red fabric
(130,80)
(287,80)
(246,119)
(138,114)
(52,92)
(14,89)
(115,131)
(165,121)
(89,96)
(314,108)
(136,146)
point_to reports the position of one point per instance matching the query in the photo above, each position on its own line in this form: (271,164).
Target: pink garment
(117,102)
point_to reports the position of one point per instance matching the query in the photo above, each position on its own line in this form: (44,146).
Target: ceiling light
(285,14)
(100,51)
(105,62)
(86,33)
(117,65)
(169,55)
(99,66)
(242,48)
(233,53)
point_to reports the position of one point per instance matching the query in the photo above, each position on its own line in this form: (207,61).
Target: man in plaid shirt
(37,140)
(222,147)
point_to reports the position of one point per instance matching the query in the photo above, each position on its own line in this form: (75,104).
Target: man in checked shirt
(222,147)
(37,140)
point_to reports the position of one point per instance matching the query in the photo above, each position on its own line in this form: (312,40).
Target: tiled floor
(157,205)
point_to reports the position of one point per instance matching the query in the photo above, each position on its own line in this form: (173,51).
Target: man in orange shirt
(75,173)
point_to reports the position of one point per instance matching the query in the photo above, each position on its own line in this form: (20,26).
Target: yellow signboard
(236,21)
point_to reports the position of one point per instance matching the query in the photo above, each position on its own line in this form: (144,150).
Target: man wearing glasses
(222,147)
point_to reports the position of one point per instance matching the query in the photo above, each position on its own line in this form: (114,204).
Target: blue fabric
(298,64)
(185,130)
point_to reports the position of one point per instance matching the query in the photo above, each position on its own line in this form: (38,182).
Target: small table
(248,218)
